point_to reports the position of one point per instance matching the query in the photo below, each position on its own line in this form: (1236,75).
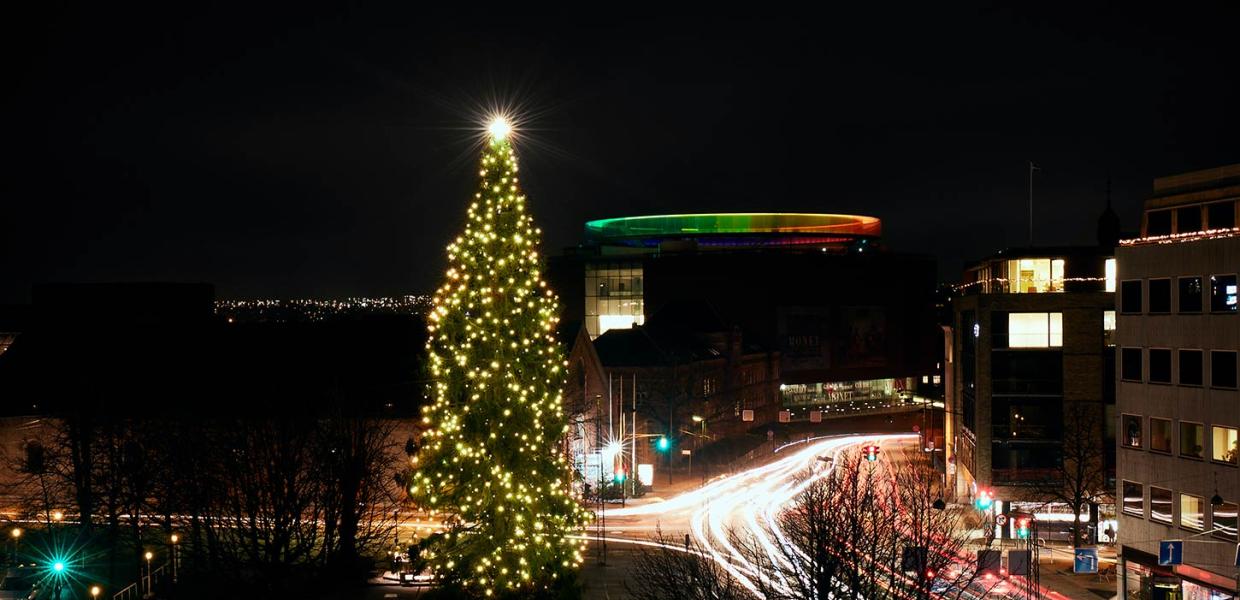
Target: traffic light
(984,500)
(663,444)
(1022,528)
(871,452)
(619,476)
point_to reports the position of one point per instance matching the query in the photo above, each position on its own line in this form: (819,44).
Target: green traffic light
(664,444)
(58,566)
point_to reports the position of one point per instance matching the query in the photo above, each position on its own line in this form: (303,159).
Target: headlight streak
(753,499)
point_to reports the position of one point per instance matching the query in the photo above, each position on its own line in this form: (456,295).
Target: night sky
(300,154)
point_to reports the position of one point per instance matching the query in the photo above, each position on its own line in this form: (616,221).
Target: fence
(144,587)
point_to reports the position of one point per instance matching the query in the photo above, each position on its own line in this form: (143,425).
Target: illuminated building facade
(847,318)
(1178,468)
(1030,362)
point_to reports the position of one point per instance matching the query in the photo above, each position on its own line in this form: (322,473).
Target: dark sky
(296,154)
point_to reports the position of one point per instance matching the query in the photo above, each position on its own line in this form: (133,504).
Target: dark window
(1157,222)
(1134,499)
(998,330)
(1222,293)
(1132,431)
(1160,504)
(1160,434)
(1023,418)
(1222,369)
(1190,294)
(1130,364)
(1190,367)
(1222,215)
(1130,296)
(1188,219)
(1160,365)
(1027,372)
(1160,295)
(1192,440)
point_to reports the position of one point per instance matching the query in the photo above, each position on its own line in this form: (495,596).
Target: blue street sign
(1170,552)
(1085,560)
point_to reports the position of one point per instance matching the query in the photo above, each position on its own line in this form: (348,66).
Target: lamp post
(95,591)
(17,538)
(174,539)
(150,582)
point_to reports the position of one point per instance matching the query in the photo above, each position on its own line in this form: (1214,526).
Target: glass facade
(868,391)
(613,298)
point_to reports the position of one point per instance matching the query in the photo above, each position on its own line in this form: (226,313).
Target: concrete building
(1178,335)
(1031,385)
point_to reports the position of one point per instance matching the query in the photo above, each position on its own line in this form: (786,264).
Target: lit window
(1035,330)
(1192,512)
(1224,447)
(1223,293)
(1110,274)
(1108,320)
(608,322)
(1035,275)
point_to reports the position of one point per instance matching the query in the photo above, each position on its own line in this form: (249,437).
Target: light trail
(751,501)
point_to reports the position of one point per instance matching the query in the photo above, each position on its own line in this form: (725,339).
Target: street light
(17,538)
(95,591)
(150,583)
(58,516)
(175,538)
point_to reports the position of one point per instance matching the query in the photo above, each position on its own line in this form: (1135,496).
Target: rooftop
(789,228)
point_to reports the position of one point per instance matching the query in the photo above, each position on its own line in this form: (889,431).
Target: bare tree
(857,529)
(1079,478)
(668,571)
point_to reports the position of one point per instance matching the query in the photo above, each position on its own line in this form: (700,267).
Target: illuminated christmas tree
(491,463)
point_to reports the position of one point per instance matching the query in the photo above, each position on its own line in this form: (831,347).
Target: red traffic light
(871,452)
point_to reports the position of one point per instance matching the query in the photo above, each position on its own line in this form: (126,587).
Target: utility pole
(601,523)
(1032,168)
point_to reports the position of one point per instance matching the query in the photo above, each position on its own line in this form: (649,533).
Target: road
(750,500)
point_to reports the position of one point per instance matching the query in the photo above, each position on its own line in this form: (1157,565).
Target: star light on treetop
(499,128)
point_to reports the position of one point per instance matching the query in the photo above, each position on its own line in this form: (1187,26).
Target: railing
(143,587)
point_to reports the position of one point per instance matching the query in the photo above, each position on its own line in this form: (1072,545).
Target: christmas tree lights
(491,462)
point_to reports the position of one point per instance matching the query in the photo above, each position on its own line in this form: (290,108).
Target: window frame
(1171,439)
(1235,462)
(1123,361)
(1179,367)
(1124,437)
(1201,297)
(1123,310)
(1149,358)
(1214,530)
(1149,300)
(1180,505)
(1180,438)
(1123,506)
(1233,360)
(1222,312)
(1170,519)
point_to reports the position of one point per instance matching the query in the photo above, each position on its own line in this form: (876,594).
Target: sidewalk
(1055,569)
